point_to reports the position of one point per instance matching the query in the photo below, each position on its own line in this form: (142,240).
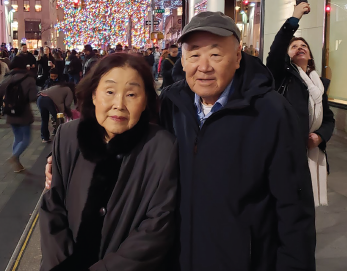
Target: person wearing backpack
(168,64)
(18,89)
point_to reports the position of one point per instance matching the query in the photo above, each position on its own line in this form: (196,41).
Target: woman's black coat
(289,83)
(93,219)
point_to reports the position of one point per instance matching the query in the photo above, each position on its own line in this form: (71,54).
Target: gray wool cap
(213,22)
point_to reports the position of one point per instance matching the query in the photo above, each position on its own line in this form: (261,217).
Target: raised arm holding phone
(298,81)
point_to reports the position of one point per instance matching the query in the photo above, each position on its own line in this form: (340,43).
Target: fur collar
(93,147)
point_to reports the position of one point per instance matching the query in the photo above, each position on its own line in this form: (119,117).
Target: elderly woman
(301,85)
(113,193)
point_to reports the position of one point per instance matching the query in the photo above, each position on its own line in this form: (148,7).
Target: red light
(154,40)
(246,2)
(328,8)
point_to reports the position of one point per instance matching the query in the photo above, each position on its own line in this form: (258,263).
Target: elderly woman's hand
(48,173)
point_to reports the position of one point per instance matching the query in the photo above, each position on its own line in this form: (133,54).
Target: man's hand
(33,66)
(314,140)
(48,173)
(301,9)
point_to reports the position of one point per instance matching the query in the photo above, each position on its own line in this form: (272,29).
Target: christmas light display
(200,7)
(103,22)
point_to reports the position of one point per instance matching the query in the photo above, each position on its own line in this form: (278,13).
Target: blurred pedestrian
(29,59)
(3,70)
(149,57)
(113,195)
(20,82)
(168,64)
(157,56)
(75,68)
(90,59)
(292,64)
(4,57)
(47,62)
(59,64)
(178,72)
(53,80)
(53,100)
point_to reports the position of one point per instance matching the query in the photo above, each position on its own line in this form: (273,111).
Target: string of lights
(101,22)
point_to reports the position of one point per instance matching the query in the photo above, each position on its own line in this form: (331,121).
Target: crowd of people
(224,175)
(56,73)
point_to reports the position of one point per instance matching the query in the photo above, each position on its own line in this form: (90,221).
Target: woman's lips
(118,119)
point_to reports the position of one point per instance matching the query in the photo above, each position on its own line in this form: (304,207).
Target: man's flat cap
(213,22)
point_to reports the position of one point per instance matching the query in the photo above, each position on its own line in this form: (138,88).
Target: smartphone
(300,1)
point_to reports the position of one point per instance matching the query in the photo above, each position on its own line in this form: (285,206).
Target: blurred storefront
(335,50)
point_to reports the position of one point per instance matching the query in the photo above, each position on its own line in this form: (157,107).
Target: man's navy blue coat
(246,200)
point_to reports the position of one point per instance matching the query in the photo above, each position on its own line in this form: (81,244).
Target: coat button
(102,211)
(119,156)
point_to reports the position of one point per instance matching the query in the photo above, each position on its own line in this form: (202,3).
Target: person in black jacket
(90,59)
(28,58)
(246,201)
(74,68)
(297,80)
(178,72)
(113,196)
(150,58)
(47,62)
(53,80)
(168,64)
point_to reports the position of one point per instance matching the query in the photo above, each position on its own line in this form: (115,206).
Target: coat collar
(91,139)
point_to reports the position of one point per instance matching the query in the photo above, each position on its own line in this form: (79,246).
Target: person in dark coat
(246,200)
(53,80)
(29,59)
(90,59)
(292,65)
(178,72)
(74,68)
(113,196)
(150,58)
(47,62)
(245,196)
(59,64)
(168,64)
(21,125)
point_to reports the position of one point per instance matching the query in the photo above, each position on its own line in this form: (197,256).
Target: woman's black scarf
(108,158)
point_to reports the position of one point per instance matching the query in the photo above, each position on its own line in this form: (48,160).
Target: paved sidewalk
(9,180)
(19,192)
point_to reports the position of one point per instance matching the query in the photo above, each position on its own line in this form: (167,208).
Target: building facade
(32,22)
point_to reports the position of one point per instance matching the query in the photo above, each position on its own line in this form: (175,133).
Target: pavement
(19,192)
(331,221)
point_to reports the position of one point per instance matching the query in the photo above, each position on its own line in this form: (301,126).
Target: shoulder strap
(171,61)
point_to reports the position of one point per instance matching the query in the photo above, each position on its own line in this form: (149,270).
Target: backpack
(14,101)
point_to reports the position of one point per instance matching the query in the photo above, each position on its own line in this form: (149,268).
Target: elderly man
(246,200)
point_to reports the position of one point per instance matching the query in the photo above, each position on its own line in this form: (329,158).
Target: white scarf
(316,158)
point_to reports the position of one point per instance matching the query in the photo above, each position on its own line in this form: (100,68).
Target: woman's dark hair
(311,63)
(18,62)
(89,83)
